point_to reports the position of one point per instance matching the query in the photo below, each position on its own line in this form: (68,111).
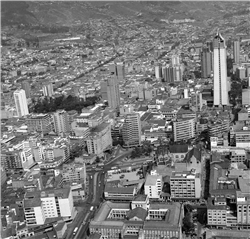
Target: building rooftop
(140,198)
(178,148)
(138,212)
(151,180)
(193,152)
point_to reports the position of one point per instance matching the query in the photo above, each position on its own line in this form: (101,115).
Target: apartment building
(48,90)
(185,185)
(184,129)
(99,139)
(153,186)
(40,205)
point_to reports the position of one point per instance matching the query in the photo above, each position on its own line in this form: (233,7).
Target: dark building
(206,62)
(26,88)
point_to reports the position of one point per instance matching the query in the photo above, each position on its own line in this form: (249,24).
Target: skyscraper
(206,62)
(117,70)
(175,60)
(21,103)
(26,88)
(220,71)
(236,52)
(113,92)
(48,90)
(61,121)
(131,131)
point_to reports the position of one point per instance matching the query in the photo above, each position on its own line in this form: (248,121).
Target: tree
(188,225)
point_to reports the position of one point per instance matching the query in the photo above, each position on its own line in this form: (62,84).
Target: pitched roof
(137,212)
(193,152)
(178,148)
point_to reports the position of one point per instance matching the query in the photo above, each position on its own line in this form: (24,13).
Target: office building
(184,129)
(153,186)
(26,88)
(113,92)
(117,70)
(99,139)
(48,90)
(220,71)
(41,205)
(236,48)
(185,185)
(141,219)
(131,131)
(42,123)
(74,173)
(242,138)
(21,103)
(61,121)
(206,62)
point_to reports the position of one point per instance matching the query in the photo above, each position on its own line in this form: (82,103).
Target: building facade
(61,121)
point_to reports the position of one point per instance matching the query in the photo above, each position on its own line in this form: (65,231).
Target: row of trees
(67,103)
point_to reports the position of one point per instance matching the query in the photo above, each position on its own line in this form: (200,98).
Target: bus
(75,230)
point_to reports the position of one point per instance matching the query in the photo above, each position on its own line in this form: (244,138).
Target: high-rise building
(206,62)
(113,92)
(26,88)
(104,90)
(236,49)
(99,139)
(131,131)
(184,129)
(175,60)
(220,71)
(21,103)
(158,71)
(117,70)
(168,73)
(48,90)
(61,121)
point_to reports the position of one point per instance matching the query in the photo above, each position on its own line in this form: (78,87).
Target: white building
(153,186)
(220,71)
(21,103)
(99,139)
(184,129)
(40,205)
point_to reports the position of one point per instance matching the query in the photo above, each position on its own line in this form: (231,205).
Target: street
(95,195)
